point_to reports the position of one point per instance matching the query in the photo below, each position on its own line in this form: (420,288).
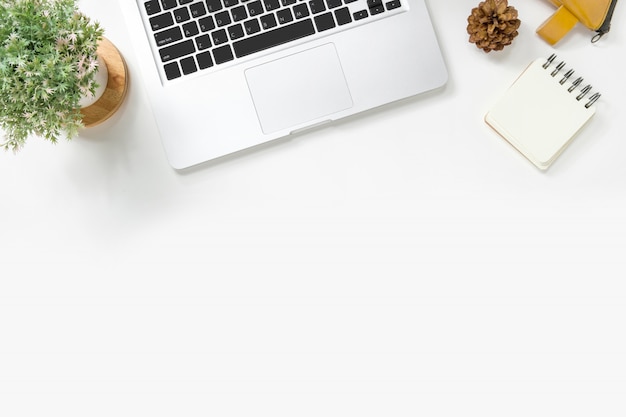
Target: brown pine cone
(492,25)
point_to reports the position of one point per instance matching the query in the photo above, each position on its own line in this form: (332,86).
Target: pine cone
(492,25)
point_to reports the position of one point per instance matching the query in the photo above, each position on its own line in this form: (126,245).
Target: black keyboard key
(168,4)
(268,21)
(274,37)
(394,4)
(190,29)
(172,71)
(375,6)
(168,36)
(181,15)
(204,60)
(324,21)
(203,42)
(284,16)
(178,50)
(230,3)
(152,7)
(223,54)
(286,3)
(185,1)
(206,24)
(271,4)
(377,10)
(317,6)
(255,8)
(251,26)
(161,21)
(300,10)
(333,3)
(239,13)
(343,16)
(213,5)
(361,14)
(197,9)
(188,65)
(235,32)
(222,19)
(219,37)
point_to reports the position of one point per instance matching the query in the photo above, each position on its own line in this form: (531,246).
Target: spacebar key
(274,37)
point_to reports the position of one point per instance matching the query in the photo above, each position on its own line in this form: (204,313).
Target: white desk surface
(406,262)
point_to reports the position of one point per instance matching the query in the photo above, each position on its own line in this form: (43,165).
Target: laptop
(227,75)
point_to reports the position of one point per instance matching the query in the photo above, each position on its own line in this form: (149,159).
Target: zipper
(606,25)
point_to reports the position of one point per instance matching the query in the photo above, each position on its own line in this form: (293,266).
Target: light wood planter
(116,88)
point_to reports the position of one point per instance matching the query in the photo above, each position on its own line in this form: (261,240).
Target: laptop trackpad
(298,88)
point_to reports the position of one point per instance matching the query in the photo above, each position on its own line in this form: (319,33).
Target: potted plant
(48,62)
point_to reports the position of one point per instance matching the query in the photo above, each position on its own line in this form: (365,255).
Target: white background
(407,262)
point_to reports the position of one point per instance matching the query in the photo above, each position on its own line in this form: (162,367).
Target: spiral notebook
(543,110)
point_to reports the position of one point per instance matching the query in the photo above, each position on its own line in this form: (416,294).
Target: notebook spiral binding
(575,84)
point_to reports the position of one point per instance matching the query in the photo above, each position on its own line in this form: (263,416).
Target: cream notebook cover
(543,110)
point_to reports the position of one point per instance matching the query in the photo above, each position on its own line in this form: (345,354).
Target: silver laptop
(226,75)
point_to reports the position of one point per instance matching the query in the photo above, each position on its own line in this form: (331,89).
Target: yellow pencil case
(594,14)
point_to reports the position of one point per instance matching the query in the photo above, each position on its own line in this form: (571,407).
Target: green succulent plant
(48,61)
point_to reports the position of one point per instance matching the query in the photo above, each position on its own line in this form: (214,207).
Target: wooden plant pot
(116,88)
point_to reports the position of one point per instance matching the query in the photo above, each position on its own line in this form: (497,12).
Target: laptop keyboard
(195,35)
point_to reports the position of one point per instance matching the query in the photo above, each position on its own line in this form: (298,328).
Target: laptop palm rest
(298,88)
